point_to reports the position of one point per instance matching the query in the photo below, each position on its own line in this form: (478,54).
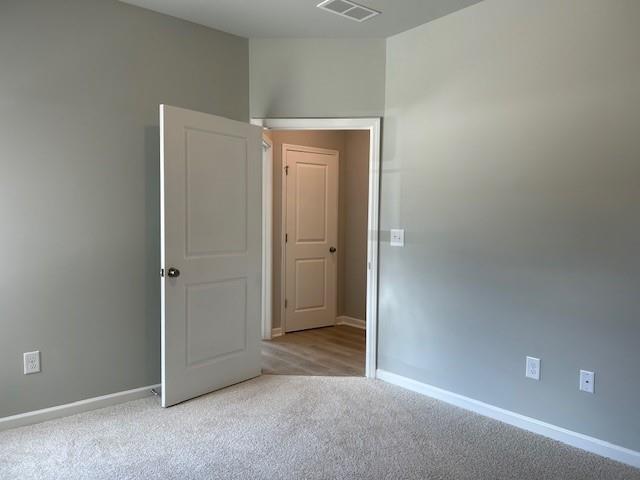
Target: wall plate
(397,237)
(31,362)
(587,380)
(533,368)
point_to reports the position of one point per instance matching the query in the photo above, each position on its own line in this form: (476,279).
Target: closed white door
(211,252)
(311,235)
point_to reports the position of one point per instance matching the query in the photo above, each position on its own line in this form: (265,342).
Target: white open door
(210,252)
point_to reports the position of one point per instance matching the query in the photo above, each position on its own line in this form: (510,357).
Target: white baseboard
(575,439)
(352,322)
(276,332)
(68,409)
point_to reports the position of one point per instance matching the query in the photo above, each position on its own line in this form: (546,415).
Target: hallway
(329,351)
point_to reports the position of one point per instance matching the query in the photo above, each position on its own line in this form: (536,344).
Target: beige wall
(353,197)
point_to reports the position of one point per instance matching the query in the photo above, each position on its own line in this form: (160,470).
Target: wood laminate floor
(330,351)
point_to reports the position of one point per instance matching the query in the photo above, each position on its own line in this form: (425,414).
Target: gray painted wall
(317,77)
(80,84)
(512,159)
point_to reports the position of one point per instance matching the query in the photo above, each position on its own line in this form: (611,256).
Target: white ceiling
(301,18)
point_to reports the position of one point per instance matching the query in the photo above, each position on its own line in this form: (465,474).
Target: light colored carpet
(288,427)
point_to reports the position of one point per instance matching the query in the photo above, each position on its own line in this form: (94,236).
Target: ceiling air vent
(348,9)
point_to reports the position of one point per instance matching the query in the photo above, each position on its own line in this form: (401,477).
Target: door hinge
(286,170)
(162,272)
(286,303)
(286,237)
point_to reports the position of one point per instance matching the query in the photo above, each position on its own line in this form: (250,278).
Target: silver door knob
(173,272)
(332,249)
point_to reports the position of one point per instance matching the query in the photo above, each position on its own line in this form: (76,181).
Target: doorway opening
(320,240)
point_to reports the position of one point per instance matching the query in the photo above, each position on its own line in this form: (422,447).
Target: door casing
(267,224)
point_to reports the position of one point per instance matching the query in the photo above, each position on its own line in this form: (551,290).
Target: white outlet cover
(31,362)
(397,237)
(587,380)
(532,369)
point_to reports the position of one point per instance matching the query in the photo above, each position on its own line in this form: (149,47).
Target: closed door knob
(173,272)
(332,249)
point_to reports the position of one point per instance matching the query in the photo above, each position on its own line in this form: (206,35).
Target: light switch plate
(397,237)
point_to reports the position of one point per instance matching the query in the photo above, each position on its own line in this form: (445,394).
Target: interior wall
(353,182)
(511,147)
(80,85)
(296,77)
(354,222)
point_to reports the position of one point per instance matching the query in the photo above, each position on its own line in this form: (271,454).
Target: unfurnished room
(320,239)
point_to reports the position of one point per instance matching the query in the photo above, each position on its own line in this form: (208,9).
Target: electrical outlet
(397,237)
(31,362)
(533,368)
(587,380)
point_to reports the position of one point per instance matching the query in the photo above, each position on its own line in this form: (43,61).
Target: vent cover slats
(348,9)
(337,6)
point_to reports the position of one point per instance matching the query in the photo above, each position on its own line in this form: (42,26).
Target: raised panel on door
(216,162)
(311,224)
(216,320)
(310,288)
(211,233)
(311,192)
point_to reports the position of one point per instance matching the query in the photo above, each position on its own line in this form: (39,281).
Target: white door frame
(372,125)
(267,228)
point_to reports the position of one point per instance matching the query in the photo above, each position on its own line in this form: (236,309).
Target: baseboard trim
(351,321)
(575,439)
(276,332)
(37,416)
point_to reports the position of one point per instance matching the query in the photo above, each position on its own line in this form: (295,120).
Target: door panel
(211,232)
(311,200)
(312,229)
(210,168)
(209,333)
(310,284)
